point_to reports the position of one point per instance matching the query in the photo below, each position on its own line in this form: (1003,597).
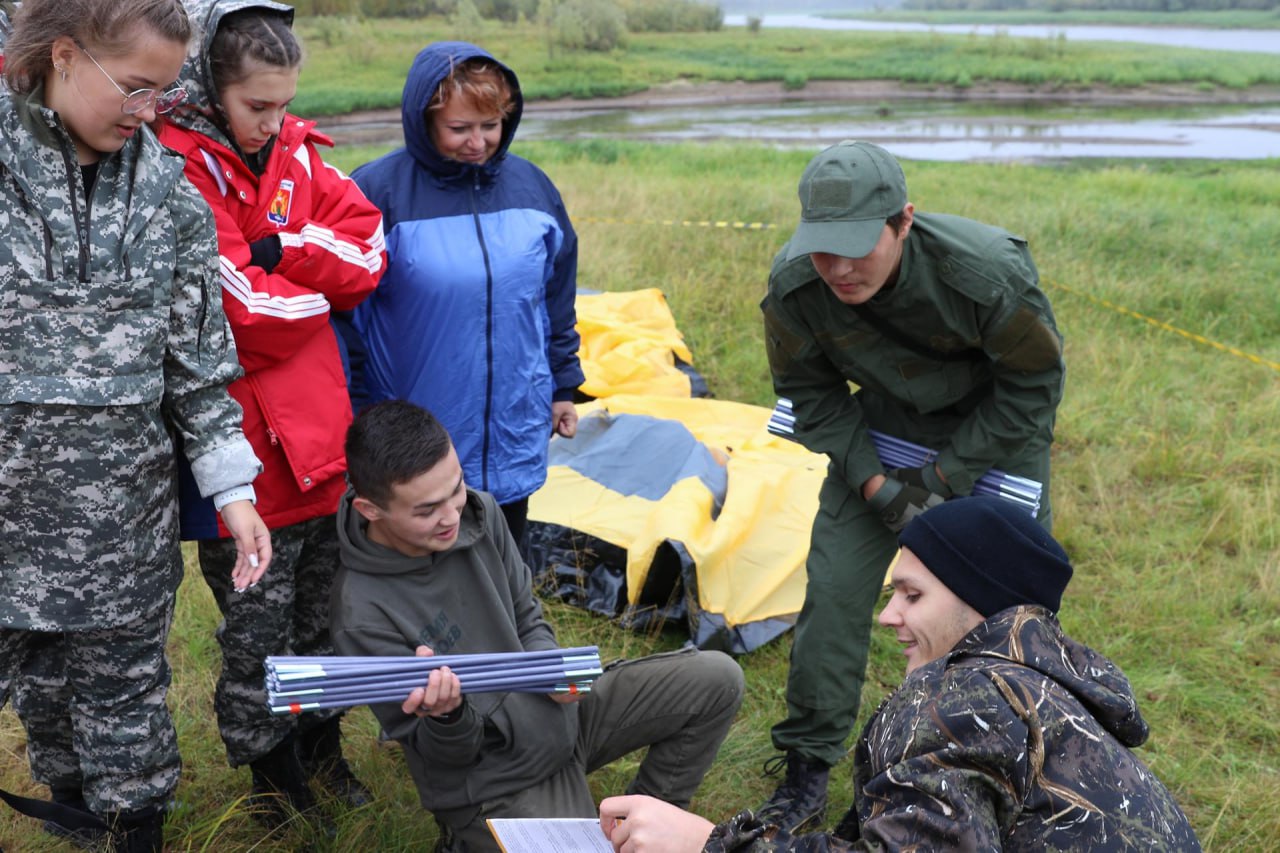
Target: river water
(940,130)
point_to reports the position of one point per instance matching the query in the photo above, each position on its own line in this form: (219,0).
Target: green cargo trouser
(680,705)
(849,552)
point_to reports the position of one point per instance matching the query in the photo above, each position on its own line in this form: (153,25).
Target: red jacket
(296,407)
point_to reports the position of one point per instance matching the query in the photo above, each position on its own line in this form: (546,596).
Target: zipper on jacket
(271,434)
(488,335)
(48,249)
(82,227)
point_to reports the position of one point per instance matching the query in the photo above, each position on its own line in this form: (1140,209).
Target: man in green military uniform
(940,324)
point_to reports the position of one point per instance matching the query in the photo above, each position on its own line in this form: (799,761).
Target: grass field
(1167,467)
(361,64)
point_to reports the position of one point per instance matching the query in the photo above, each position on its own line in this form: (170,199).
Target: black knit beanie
(991,553)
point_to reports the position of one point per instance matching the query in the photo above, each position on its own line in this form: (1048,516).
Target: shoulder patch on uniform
(1026,343)
(779,338)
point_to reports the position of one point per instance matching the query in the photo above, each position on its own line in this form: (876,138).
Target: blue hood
(432,64)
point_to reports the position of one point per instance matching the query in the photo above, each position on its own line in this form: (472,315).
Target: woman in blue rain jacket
(474,319)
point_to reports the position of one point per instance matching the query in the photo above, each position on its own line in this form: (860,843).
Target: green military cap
(846,194)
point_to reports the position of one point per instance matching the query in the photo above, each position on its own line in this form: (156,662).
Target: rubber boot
(800,803)
(280,792)
(320,748)
(137,832)
(84,837)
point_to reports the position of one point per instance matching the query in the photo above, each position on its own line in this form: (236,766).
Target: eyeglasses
(141,100)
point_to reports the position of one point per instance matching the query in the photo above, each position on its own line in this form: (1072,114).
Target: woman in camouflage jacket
(112,340)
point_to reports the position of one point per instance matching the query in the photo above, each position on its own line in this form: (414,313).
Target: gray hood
(200,113)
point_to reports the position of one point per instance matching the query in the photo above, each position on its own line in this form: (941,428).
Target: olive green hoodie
(476,597)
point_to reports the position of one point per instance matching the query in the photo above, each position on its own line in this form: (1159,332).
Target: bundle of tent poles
(899,453)
(297,684)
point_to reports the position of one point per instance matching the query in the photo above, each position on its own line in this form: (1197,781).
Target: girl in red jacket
(296,240)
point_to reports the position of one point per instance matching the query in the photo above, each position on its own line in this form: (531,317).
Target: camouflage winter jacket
(1018,739)
(112,339)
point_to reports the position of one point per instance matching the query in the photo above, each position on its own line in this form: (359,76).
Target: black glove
(926,477)
(266,252)
(898,503)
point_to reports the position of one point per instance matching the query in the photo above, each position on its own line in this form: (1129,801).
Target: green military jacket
(971,365)
(112,343)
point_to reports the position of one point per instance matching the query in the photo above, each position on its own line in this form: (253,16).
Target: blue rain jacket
(474,318)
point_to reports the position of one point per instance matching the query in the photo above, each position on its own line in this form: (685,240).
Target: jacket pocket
(82,343)
(933,386)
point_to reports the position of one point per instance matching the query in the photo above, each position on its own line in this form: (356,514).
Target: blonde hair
(108,26)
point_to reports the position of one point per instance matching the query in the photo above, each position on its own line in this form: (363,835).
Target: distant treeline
(1094,5)
(639,15)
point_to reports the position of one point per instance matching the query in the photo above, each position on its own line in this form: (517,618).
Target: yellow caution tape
(686,223)
(1168,327)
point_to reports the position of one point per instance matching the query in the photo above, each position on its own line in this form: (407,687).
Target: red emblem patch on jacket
(278,212)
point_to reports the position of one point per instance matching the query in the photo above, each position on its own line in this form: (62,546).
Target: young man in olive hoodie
(429,567)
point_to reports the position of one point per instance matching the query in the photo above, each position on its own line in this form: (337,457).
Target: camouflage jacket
(112,339)
(973,362)
(1018,739)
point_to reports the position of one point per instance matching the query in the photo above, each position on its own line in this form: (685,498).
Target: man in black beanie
(1006,734)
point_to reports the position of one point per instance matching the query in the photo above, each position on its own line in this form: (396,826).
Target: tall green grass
(1166,480)
(355,64)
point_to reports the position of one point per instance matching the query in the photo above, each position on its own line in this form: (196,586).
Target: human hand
(642,824)
(567,698)
(266,252)
(253,543)
(926,476)
(564,418)
(897,503)
(441,695)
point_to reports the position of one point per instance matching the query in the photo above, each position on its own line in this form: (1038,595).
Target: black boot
(280,791)
(81,834)
(320,748)
(800,802)
(137,832)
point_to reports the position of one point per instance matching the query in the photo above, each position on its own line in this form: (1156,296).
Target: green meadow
(360,64)
(1163,277)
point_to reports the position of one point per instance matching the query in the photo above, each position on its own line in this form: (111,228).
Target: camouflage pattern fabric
(287,613)
(117,722)
(111,335)
(1018,739)
(42,699)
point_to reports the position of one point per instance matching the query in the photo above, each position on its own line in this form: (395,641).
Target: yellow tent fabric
(697,478)
(629,345)
(749,555)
